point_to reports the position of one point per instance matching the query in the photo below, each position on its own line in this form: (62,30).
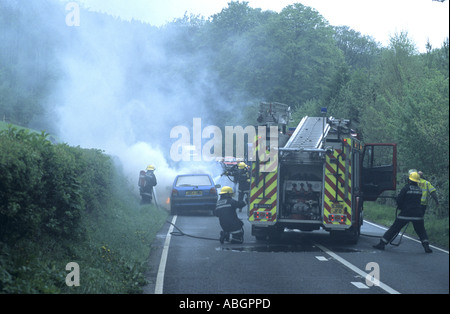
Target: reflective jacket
(427,189)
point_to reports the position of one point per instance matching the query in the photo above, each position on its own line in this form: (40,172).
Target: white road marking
(162,264)
(363,274)
(322,258)
(359,285)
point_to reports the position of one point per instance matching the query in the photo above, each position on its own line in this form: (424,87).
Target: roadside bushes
(20,181)
(61,204)
(44,187)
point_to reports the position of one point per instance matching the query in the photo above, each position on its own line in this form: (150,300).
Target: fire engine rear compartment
(323,175)
(301,196)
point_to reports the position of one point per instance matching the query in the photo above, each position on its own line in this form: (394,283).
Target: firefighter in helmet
(228,219)
(149,181)
(408,202)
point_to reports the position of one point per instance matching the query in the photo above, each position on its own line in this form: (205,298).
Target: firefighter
(427,191)
(408,202)
(243,179)
(146,189)
(228,219)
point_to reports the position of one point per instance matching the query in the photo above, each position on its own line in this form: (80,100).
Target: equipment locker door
(379,170)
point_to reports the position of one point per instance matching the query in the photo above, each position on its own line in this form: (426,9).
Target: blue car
(193,191)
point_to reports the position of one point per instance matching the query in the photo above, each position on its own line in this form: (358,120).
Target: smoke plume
(124,87)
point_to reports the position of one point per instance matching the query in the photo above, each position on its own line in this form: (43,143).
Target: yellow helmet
(414,176)
(150,167)
(242,165)
(226,190)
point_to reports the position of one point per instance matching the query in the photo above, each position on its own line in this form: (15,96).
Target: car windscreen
(193,181)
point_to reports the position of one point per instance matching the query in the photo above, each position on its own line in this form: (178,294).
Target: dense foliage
(45,187)
(61,204)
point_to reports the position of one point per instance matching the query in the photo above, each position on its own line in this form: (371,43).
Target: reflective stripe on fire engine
(263,189)
(337,194)
(263,197)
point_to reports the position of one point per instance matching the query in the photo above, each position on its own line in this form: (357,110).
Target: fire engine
(319,178)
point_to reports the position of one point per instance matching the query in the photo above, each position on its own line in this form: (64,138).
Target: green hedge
(45,187)
(61,204)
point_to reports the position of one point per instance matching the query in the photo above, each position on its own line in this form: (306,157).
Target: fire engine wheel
(259,233)
(267,233)
(350,236)
(353,235)
(355,231)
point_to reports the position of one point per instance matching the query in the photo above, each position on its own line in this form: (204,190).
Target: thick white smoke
(116,96)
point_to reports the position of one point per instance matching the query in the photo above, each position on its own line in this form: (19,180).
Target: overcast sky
(422,19)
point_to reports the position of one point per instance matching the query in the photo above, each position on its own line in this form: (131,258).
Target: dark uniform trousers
(400,222)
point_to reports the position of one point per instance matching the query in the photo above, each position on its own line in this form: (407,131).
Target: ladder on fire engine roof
(309,135)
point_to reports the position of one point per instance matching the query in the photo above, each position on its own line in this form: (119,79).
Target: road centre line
(405,236)
(355,269)
(359,285)
(322,258)
(162,264)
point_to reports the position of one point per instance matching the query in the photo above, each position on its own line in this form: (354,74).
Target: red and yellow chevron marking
(338,194)
(263,190)
(268,160)
(263,196)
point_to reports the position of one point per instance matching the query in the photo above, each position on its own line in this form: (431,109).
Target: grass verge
(437,228)
(61,205)
(112,257)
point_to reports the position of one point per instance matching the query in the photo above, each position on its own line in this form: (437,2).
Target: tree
(411,108)
(359,51)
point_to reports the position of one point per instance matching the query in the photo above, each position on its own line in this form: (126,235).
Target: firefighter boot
(224,236)
(426,247)
(237,238)
(380,246)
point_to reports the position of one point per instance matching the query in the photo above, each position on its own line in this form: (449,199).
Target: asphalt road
(299,263)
